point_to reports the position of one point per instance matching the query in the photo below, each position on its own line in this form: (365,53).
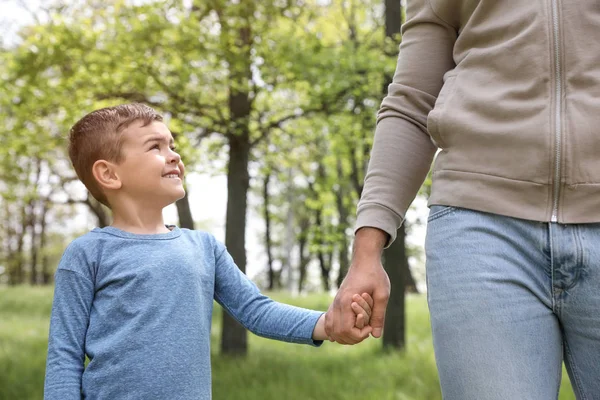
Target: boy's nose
(174,158)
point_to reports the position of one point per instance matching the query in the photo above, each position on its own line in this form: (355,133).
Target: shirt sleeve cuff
(380,217)
(314,318)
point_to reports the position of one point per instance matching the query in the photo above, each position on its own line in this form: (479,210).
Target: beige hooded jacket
(509,90)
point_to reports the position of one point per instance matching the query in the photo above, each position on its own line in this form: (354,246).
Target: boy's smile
(151,170)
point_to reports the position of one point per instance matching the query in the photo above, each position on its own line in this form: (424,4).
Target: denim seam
(559,372)
(580,251)
(577,381)
(552,290)
(441,213)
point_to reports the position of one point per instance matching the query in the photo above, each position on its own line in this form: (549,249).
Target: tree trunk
(302,263)
(98,210)
(33,203)
(268,243)
(46,275)
(344,259)
(287,270)
(395,265)
(303,255)
(325,267)
(343,250)
(184,212)
(324,271)
(234,339)
(393,18)
(35,247)
(19,273)
(410,285)
(395,259)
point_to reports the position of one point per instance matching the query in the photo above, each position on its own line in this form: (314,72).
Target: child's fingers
(360,312)
(360,321)
(358,309)
(363,304)
(368,299)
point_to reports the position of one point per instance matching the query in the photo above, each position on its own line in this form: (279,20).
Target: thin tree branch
(219,120)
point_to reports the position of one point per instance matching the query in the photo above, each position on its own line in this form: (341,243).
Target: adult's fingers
(358,332)
(344,325)
(366,331)
(361,334)
(378,317)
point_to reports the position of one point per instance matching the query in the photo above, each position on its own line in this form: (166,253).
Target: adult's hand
(366,275)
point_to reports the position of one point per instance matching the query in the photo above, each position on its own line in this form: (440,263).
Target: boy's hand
(362,305)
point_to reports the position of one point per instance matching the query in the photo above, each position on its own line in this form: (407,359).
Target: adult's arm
(400,159)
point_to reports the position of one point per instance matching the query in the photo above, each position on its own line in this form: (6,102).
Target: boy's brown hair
(97,136)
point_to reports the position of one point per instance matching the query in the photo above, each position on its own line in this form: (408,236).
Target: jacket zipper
(558,111)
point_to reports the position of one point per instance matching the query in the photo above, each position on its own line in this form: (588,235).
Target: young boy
(136,297)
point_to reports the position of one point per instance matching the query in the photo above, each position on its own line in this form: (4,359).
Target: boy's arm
(73,295)
(256,312)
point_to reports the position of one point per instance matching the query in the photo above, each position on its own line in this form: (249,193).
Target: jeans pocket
(436,212)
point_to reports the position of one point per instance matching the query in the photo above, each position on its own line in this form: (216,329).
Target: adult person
(509,92)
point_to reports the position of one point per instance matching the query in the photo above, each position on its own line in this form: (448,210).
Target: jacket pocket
(435,115)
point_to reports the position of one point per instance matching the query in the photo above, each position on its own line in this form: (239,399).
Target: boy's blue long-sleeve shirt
(140,307)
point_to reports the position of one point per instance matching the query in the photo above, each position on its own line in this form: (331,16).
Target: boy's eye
(156,146)
(173,148)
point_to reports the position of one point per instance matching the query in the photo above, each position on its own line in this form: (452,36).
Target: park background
(273,106)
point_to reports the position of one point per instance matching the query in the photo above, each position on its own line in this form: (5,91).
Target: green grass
(272,370)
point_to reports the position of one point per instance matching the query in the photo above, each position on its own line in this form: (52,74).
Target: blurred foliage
(317,69)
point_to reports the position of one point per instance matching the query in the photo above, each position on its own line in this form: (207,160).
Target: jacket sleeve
(402,150)
(73,295)
(240,297)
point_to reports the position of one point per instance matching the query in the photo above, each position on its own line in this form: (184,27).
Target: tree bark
(45,272)
(396,265)
(18,275)
(35,246)
(343,213)
(393,17)
(184,212)
(321,256)
(395,259)
(234,337)
(304,259)
(268,242)
(98,210)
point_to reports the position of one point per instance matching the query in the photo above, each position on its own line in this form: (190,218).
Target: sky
(207,194)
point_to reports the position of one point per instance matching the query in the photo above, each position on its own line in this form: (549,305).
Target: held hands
(361,307)
(366,275)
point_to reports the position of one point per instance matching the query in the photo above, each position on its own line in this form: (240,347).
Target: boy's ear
(106,175)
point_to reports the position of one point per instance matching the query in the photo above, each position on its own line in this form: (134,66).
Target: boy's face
(151,170)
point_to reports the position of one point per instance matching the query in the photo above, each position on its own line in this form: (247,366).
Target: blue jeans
(509,300)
